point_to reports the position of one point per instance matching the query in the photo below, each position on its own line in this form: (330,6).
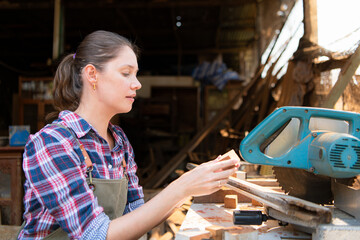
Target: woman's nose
(136,84)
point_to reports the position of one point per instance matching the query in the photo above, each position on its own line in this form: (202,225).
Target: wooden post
(58,30)
(310,20)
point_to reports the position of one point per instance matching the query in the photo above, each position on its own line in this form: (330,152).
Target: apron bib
(111,195)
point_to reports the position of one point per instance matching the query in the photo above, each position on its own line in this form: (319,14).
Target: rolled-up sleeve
(133,205)
(97,229)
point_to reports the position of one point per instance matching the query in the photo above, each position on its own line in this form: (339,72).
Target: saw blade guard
(322,141)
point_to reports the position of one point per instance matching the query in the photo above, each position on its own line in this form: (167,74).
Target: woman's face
(117,82)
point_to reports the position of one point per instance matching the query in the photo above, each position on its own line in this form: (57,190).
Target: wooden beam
(346,74)
(194,51)
(331,64)
(58,30)
(124,4)
(166,4)
(310,20)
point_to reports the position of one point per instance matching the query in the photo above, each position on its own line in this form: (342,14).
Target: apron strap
(87,159)
(124,168)
(88,162)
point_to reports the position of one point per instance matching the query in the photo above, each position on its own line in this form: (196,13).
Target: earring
(94,84)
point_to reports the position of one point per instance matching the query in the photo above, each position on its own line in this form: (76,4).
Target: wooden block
(256,203)
(215,231)
(241,233)
(230,155)
(193,234)
(240,174)
(230,201)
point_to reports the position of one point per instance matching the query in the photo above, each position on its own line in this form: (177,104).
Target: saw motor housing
(321,141)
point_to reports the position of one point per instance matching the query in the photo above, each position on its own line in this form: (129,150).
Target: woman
(80,170)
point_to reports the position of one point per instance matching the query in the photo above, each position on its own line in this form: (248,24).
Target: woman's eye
(126,74)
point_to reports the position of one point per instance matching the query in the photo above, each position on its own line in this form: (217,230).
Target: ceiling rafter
(4,4)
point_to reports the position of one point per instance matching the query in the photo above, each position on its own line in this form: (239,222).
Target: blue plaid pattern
(56,192)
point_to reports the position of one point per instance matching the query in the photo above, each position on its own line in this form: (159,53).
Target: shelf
(34,101)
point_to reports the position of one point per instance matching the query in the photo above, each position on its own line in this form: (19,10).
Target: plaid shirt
(56,192)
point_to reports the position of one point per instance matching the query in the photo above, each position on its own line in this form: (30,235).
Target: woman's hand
(207,177)
(204,179)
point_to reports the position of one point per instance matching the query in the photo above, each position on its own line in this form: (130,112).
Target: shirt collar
(73,121)
(81,127)
(117,132)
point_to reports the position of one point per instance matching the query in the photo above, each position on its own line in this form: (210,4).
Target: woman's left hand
(207,177)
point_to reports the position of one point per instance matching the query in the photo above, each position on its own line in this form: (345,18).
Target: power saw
(309,147)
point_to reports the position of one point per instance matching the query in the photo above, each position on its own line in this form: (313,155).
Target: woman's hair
(97,49)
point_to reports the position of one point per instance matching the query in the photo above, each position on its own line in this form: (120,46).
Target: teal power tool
(308,147)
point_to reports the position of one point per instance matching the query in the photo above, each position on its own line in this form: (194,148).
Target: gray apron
(111,193)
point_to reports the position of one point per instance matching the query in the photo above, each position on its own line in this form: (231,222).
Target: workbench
(11,189)
(207,216)
(202,215)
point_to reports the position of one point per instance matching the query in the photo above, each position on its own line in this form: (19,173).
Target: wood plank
(202,216)
(215,231)
(193,234)
(218,196)
(241,233)
(265,182)
(300,212)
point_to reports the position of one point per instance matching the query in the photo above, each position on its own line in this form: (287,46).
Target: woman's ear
(90,74)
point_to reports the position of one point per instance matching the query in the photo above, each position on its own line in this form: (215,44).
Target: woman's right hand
(207,177)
